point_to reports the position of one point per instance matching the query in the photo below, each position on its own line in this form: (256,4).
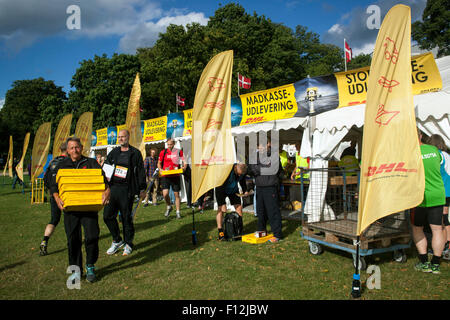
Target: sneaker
(221,235)
(114,247)
(435,269)
(178,215)
(143,201)
(168,211)
(424,267)
(127,250)
(43,248)
(90,274)
(146,204)
(274,240)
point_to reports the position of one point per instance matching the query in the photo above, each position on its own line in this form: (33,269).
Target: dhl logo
(387,168)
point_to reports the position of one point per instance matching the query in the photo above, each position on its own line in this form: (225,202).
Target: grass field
(165,265)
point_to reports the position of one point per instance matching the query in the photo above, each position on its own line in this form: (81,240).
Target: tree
(360,61)
(103,86)
(434,30)
(21,112)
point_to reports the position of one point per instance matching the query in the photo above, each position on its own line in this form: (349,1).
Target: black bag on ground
(232,224)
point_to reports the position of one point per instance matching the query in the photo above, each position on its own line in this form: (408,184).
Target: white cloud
(146,34)
(2,103)
(23,22)
(353,25)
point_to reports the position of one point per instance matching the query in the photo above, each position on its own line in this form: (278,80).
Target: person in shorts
(430,211)
(230,189)
(171,159)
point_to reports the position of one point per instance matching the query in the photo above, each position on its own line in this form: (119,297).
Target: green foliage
(434,29)
(360,61)
(25,109)
(103,86)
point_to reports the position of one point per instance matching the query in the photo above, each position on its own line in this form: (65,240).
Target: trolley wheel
(399,256)
(315,248)
(362,262)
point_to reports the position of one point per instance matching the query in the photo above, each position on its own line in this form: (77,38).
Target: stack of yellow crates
(81,189)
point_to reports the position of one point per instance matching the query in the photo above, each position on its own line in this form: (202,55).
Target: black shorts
(174,181)
(221,195)
(446,219)
(55,212)
(422,216)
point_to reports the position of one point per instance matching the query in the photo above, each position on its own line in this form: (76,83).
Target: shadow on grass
(155,248)
(11,266)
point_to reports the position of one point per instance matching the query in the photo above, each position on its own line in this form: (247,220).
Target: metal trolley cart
(330,214)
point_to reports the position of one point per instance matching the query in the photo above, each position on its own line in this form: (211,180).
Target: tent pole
(356,284)
(194,233)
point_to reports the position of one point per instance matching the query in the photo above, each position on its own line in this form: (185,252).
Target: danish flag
(348,52)
(180,101)
(244,82)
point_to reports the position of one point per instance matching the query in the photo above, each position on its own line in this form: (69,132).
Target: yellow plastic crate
(250,238)
(78,172)
(80,180)
(70,207)
(81,196)
(170,172)
(81,187)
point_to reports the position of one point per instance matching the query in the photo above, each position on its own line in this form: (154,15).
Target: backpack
(232,224)
(50,170)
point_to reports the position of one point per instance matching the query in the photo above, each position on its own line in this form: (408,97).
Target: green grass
(165,265)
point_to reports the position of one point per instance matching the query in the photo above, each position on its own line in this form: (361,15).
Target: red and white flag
(348,52)
(180,101)
(244,82)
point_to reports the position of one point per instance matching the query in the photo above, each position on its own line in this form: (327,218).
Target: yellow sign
(187,122)
(155,129)
(39,153)
(9,160)
(102,137)
(19,167)
(352,85)
(62,132)
(267,105)
(83,130)
(212,143)
(392,174)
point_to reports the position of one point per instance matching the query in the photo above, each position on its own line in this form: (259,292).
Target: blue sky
(36,42)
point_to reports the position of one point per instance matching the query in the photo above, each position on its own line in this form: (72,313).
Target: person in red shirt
(171,159)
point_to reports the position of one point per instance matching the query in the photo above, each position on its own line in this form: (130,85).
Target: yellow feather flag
(213,152)
(9,160)
(41,145)
(19,167)
(392,174)
(62,133)
(83,130)
(133,121)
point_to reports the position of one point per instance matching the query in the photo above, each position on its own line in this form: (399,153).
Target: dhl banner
(187,122)
(9,160)
(61,134)
(155,129)
(39,153)
(266,105)
(19,167)
(392,173)
(83,130)
(352,85)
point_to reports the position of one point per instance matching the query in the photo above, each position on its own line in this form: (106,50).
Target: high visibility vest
(301,162)
(283,159)
(349,163)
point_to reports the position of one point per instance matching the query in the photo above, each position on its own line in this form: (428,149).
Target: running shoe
(435,269)
(221,235)
(178,215)
(168,211)
(114,247)
(274,240)
(424,267)
(90,274)
(127,250)
(43,248)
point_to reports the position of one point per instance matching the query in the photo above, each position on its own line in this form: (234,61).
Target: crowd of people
(136,179)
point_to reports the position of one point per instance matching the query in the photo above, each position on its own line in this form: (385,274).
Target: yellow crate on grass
(250,238)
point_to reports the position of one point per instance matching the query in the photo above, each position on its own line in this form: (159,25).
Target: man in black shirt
(74,220)
(127,181)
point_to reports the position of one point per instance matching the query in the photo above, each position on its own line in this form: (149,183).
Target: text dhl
(388,167)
